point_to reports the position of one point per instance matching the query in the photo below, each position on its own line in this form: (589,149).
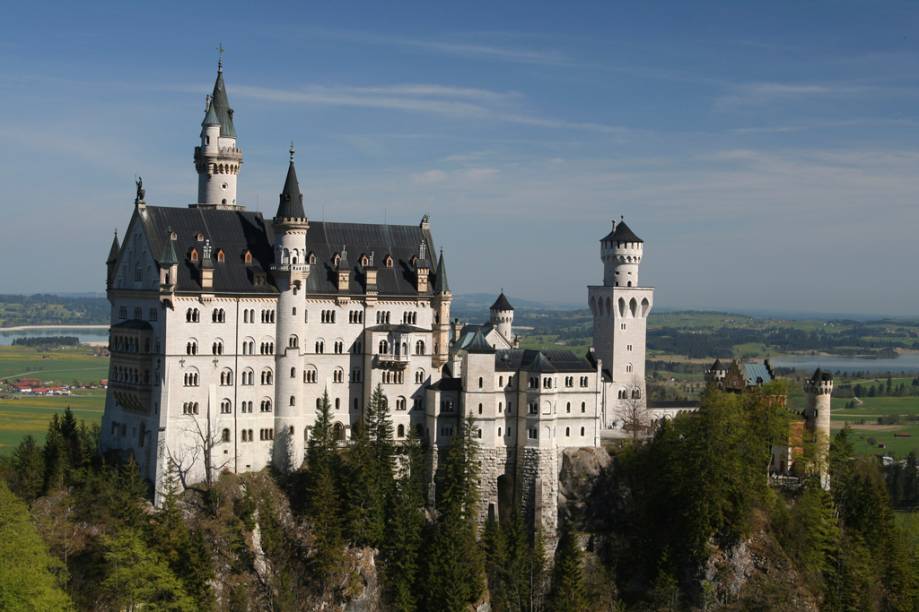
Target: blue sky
(766,152)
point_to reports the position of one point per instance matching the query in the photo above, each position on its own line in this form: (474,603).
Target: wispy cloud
(457,48)
(755,94)
(456,102)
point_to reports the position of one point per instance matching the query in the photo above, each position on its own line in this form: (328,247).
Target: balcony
(390,360)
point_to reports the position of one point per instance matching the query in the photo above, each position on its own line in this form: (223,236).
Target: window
(248,377)
(567,431)
(266,434)
(383,347)
(191,379)
(293,342)
(152,314)
(480,408)
(309,375)
(569,381)
(533,383)
(193,255)
(568,408)
(267,377)
(387,261)
(446,431)
(585,380)
(400,403)
(320,347)
(265,405)
(499,432)
(217,347)
(247,258)
(190,408)
(532,433)
(533,408)
(628,367)
(293,372)
(582,431)
(419,377)
(481,382)
(583,407)
(225,435)
(547,383)
(355,375)
(226,378)
(123,313)
(400,431)
(338,375)
(419,347)
(293,401)
(339,347)
(225,406)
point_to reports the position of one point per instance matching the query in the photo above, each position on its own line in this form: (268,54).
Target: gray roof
(290,203)
(621,233)
(478,344)
(530,360)
(236,231)
(232,231)
(501,303)
(168,256)
(221,105)
(210,117)
(756,373)
(397,327)
(325,239)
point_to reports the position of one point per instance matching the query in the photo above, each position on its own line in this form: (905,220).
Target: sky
(766,152)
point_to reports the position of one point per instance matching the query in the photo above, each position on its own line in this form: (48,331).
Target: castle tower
(442,300)
(502,317)
(819,389)
(620,310)
(290,272)
(218,158)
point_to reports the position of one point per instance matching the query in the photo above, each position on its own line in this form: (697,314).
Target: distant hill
(48,309)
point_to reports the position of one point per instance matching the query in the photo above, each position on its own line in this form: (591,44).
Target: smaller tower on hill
(502,317)
(819,389)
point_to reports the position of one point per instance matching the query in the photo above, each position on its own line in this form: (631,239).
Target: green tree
(455,572)
(55,456)
(404,526)
(568,593)
(136,577)
(364,491)
(27,573)
(28,463)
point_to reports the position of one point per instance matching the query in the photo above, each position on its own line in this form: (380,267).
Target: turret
(621,252)
(716,373)
(819,389)
(290,272)
(218,158)
(442,299)
(502,317)
(169,265)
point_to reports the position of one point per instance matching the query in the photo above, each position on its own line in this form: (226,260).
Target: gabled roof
(621,233)
(290,203)
(717,366)
(221,106)
(501,303)
(440,276)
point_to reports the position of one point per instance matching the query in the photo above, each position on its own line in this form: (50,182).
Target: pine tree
(455,572)
(321,445)
(363,492)
(55,456)
(28,477)
(404,526)
(568,592)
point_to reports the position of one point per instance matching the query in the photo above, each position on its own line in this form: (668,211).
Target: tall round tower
(819,389)
(218,158)
(290,272)
(502,317)
(621,252)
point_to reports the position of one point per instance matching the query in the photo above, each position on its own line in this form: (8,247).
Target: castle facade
(227,328)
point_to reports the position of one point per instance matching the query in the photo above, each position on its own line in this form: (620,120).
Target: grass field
(863,421)
(21,415)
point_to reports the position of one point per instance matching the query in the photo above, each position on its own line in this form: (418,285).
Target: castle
(228,327)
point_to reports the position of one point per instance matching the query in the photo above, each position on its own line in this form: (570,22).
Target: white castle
(227,328)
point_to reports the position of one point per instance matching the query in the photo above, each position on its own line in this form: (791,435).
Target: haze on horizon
(766,154)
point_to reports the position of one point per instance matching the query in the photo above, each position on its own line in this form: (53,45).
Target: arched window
(247,258)
(226,377)
(225,435)
(320,347)
(309,374)
(400,431)
(383,347)
(293,342)
(338,375)
(193,256)
(265,405)
(419,347)
(481,382)
(387,261)
(293,400)
(191,347)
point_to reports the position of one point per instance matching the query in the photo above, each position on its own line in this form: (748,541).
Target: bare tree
(182,460)
(636,419)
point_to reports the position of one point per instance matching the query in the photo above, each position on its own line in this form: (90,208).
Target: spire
(621,233)
(440,276)
(221,104)
(168,256)
(113,252)
(210,117)
(290,205)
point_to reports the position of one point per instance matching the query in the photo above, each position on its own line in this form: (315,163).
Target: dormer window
(365,261)
(199,237)
(311,258)
(387,261)
(193,256)
(220,256)
(247,257)
(336,258)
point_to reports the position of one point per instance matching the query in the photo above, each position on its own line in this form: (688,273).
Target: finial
(292,151)
(220,57)
(622,217)
(116,233)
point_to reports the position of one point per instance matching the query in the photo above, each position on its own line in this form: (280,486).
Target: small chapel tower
(217,157)
(620,309)
(290,271)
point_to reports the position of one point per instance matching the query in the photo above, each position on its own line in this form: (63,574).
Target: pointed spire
(290,205)
(221,104)
(501,303)
(210,117)
(440,276)
(113,252)
(168,257)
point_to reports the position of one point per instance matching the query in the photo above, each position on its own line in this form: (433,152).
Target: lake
(84,333)
(908,363)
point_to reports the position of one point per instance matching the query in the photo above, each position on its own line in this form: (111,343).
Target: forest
(665,525)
